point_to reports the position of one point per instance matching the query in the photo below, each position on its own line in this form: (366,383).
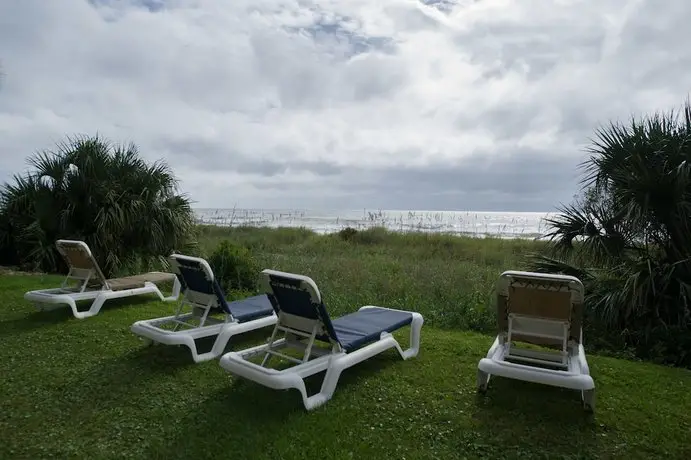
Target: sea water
(469,223)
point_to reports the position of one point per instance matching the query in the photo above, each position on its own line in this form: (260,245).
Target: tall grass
(479,224)
(449,279)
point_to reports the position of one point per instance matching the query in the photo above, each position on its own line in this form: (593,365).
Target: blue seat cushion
(250,308)
(362,327)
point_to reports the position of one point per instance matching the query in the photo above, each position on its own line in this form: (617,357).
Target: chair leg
(588,399)
(482,381)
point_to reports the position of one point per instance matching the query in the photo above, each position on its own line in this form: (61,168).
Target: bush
(372,236)
(628,238)
(8,251)
(347,233)
(126,210)
(235,268)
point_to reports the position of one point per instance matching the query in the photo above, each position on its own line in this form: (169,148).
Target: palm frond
(629,236)
(126,209)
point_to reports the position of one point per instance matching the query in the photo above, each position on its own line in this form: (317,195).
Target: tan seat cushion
(136,281)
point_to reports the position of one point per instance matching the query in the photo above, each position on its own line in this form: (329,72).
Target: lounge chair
(303,320)
(210,314)
(543,310)
(92,285)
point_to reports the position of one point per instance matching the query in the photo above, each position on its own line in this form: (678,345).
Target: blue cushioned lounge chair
(204,312)
(305,323)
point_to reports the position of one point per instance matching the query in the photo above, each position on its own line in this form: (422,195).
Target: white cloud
(292,103)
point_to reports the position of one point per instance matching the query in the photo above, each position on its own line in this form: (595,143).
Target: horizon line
(366,209)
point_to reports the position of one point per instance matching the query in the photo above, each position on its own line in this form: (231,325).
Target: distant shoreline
(522,225)
(366,210)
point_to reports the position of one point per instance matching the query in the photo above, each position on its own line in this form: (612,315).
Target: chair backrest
(540,295)
(298,303)
(81,262)
(198,282)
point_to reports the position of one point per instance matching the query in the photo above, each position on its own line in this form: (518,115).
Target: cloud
(434,104)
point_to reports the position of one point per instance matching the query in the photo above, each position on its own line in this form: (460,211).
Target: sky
(484,105)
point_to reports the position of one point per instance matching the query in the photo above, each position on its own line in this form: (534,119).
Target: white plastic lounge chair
(205,297)
(544,310)
(303,320)
(92,285)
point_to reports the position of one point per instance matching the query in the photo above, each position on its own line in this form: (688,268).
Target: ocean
(529,225)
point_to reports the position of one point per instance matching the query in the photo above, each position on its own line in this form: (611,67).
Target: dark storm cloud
(522,181)
(523,172)
(208,155)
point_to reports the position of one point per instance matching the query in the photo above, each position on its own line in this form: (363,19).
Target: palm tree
(128,211)
(629,236)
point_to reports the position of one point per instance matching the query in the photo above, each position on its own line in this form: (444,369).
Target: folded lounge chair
(92,285)
(303,320)
(544,310)
(205,297)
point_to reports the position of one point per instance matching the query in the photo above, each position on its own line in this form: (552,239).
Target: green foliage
(629,237)
(253,238)
(235,267)
(8,252)
(127,211)
(372,236)
(449,279)
(347,233)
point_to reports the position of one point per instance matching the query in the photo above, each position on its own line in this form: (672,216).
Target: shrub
(126,210)
(8,251)
(372,236)
(629,237)
(347,233)
(234,267)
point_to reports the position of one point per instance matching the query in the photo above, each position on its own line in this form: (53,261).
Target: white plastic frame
(152,330)
(540,328)
(315,358)
(575,373)
(54,298)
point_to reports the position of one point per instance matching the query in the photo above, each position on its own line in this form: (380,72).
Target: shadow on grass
(115,382)
(529,414)
(134,377)
(352,376)
(34,320)
(41,318)
(204,345)
(253,415)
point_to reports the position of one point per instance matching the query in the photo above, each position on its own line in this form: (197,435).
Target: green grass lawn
(90,389)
